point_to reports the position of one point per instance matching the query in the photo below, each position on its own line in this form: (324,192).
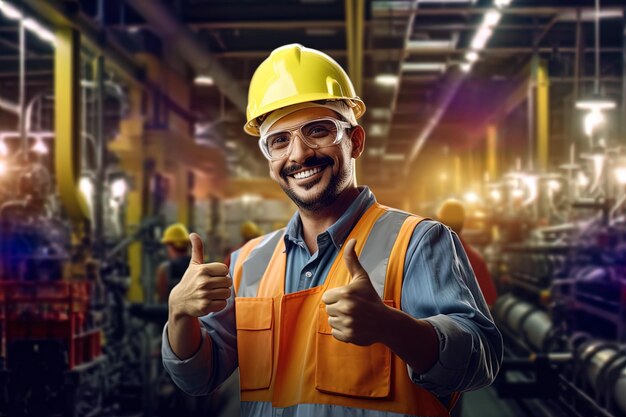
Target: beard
(327,196)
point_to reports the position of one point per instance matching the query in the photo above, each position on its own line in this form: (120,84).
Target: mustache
(311,162)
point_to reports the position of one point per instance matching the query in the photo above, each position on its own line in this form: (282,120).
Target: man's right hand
(203,289)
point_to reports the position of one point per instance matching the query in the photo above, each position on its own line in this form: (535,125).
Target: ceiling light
(481,38)
(10,11)
(394,157)
(595,102)
(466,66)
(471,56)
(386,80)
(492,17)
(4,149)
(424,66)
(38,30)
(502,3)
(203,80)
(39,147)
(429,45)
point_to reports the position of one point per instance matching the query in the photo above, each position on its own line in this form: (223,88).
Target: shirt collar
(339,230)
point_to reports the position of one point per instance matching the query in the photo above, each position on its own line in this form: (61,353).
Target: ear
(357,138)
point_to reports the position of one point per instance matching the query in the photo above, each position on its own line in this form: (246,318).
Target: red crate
(49,310)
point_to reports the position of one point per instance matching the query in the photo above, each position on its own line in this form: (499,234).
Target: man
(452,214)
(354,308)
(176,241)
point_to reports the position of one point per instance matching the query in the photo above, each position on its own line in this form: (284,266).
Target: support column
(355,15)
(543,116)
(492,152)
(67,124)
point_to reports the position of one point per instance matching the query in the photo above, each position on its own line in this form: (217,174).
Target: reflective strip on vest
(374,256)
(255,265)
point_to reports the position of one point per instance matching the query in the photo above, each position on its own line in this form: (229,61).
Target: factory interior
(121,118)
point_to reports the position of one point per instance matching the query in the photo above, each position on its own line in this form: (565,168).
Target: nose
(299,152)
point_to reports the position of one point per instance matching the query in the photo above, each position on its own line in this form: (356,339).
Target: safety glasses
(315,134)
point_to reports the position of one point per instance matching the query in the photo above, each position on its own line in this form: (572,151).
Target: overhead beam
(519,11)
(164,23)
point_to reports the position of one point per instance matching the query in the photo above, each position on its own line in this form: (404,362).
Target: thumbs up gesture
(204,288)
(356,312)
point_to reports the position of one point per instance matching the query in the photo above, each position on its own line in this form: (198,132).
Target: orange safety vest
(287,354)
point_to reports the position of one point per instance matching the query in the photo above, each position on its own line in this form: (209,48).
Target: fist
(204,288)
(355,311)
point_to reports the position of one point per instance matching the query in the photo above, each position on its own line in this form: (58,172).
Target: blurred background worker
(176,240)
(452,214)
(248,230)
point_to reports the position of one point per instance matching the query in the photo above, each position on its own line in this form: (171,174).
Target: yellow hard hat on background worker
(177,235)
(250,230)
(293,74)
(452,214)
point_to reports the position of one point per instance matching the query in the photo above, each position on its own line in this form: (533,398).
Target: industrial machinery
(563,314)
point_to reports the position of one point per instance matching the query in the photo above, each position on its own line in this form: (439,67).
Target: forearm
(183,335)
(414,341)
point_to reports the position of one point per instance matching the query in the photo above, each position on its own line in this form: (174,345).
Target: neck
(316,222)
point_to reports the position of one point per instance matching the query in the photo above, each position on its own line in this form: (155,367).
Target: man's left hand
(356,312)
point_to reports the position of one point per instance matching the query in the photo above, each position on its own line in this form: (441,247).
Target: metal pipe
(100,155)
(22,88)
(164,24)
(597,40)
(9,106)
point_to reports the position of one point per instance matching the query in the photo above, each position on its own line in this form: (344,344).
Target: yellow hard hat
(452,213)
(293,74)
(176,234)
(250,230)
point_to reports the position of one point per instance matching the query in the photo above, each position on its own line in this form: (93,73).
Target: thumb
(352,262)
(197,249)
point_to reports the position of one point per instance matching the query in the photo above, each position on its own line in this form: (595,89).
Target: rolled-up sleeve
(217,352)
(440,287)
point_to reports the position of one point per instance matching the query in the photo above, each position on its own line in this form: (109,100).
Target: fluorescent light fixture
(424,66)
(429,45)
(380,113)
(466,66)
(481,38)
(378,129)
(471,56)
(203,80)
(502,3)
(386,80)
(10,11)
(39,30)
(492,17)
(394,157)
(595,102)
(39,147)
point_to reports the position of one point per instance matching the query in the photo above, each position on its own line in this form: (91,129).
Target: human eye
(320,129)
(278,140)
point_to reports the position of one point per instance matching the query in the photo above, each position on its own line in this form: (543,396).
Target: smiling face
(314,178)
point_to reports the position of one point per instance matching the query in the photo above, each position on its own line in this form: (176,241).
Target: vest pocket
(346,369)
(255,340)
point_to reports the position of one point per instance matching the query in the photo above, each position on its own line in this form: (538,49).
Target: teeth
(307,173)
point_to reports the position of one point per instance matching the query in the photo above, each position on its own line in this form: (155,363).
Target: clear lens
(315,134)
